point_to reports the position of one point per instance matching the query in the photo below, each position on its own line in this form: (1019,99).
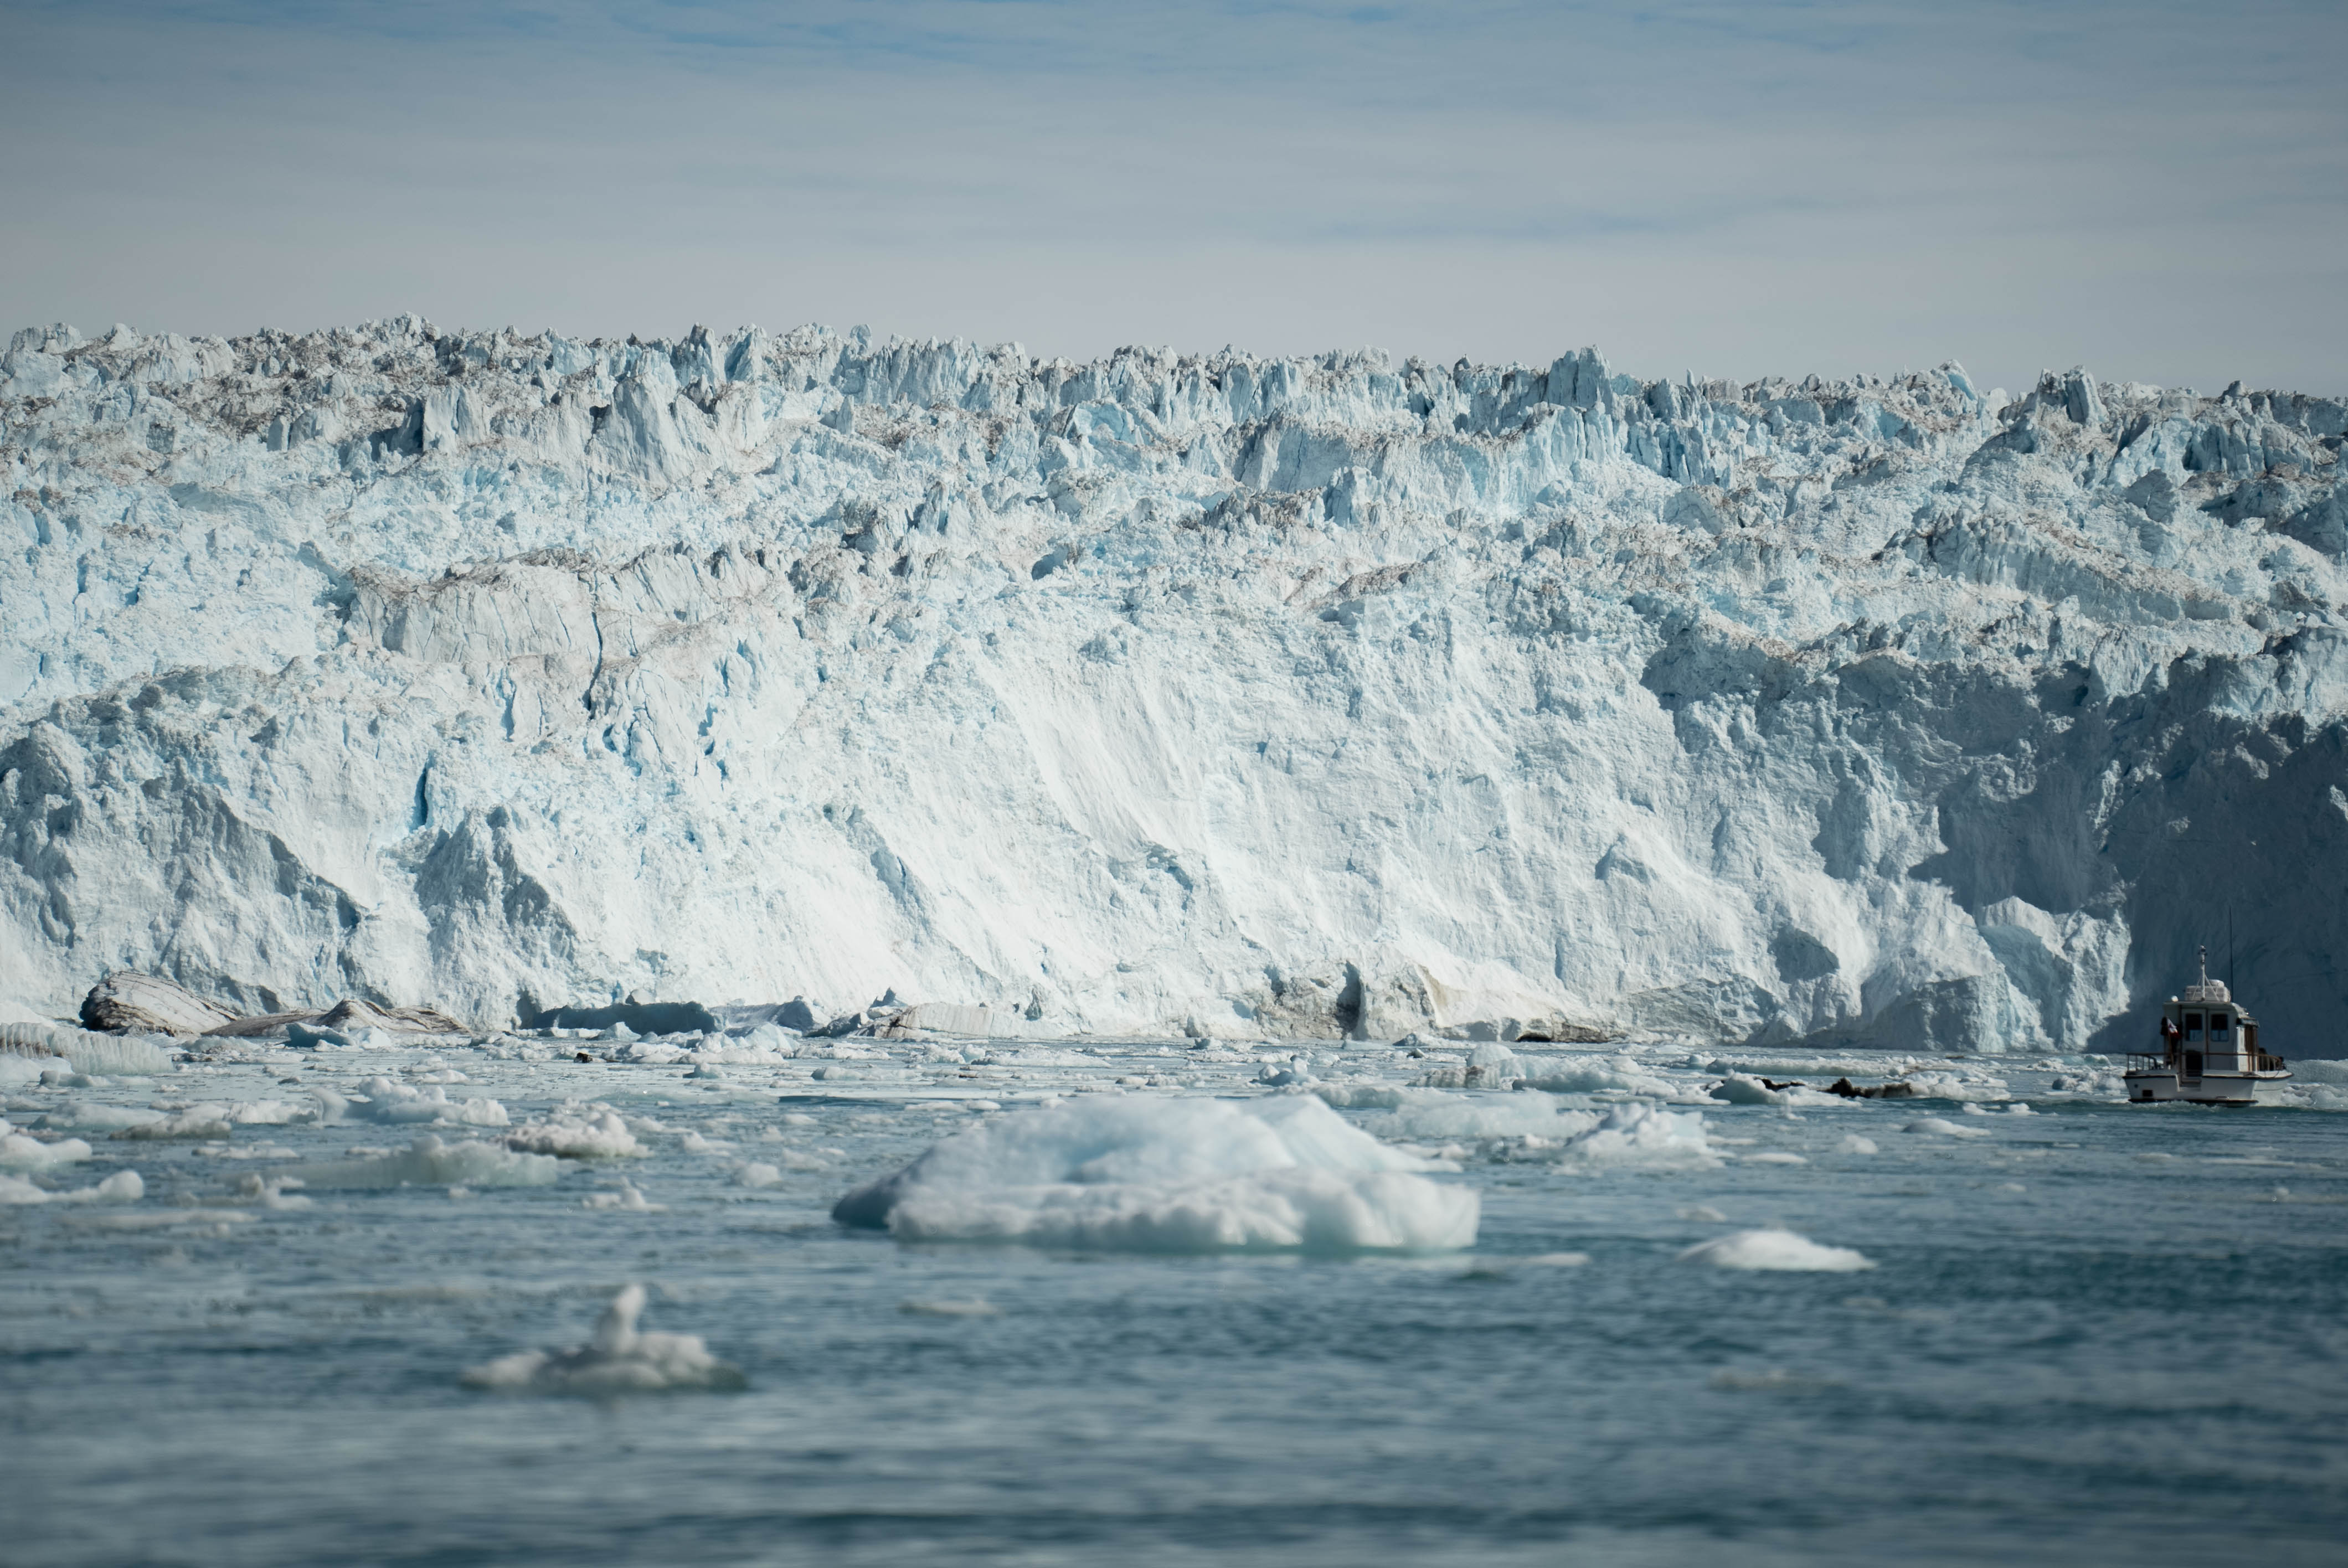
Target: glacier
(1164,694)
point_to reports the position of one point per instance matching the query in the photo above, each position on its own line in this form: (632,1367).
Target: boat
(2210,1053)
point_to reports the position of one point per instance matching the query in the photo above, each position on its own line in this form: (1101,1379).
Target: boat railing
(2156,1061)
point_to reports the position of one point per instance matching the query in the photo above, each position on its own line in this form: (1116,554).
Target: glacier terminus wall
(1166,693)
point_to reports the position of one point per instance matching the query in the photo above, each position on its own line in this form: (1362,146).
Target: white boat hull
(2210,1089)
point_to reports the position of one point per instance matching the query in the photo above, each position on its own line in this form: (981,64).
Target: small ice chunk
(756,1173)
(1704,1212)
(1775,1250)
(88,1117)
(1774,1157)
(1594,1074)
(619,1360)
(1430,1113)
(397,1103)
(627,1199)
(1945,1127)
(431,1163)
(1557,1260)
(950,1307)
(1741,1089)
(20,1152)
(201,1121)
(270,1192)
(578,1132)
(269,1113)
(1645,1137)
(1852,1143)
(122,1187)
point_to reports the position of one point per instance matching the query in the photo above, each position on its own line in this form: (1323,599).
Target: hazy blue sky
(2158,190)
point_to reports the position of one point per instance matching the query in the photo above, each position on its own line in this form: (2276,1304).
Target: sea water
(1791,1329)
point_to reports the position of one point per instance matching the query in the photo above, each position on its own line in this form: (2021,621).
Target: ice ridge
(1319,696)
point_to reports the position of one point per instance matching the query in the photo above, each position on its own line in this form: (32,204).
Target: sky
(2155,190)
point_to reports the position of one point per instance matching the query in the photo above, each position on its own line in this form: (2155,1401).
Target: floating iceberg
(1134,1174)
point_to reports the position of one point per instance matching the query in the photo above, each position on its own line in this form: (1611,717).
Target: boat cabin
(2209,1051)
(2213,1035)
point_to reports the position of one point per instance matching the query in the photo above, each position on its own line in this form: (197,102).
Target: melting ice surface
(1097,1320)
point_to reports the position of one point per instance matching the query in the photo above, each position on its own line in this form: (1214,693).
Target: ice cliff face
(1251,697)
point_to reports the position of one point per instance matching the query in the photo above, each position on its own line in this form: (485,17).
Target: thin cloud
(2153,188)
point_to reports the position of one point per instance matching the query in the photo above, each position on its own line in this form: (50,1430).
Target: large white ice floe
(1134,1173)
(1871,712)
(1778,1251)
(620,1359)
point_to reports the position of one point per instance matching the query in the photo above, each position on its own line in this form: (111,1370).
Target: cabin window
(2218,1024)
(2250,1035)
(2193,1026)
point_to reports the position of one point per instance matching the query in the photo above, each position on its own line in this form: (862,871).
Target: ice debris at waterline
(1879,710)
(1127,1174)
(620,1359)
